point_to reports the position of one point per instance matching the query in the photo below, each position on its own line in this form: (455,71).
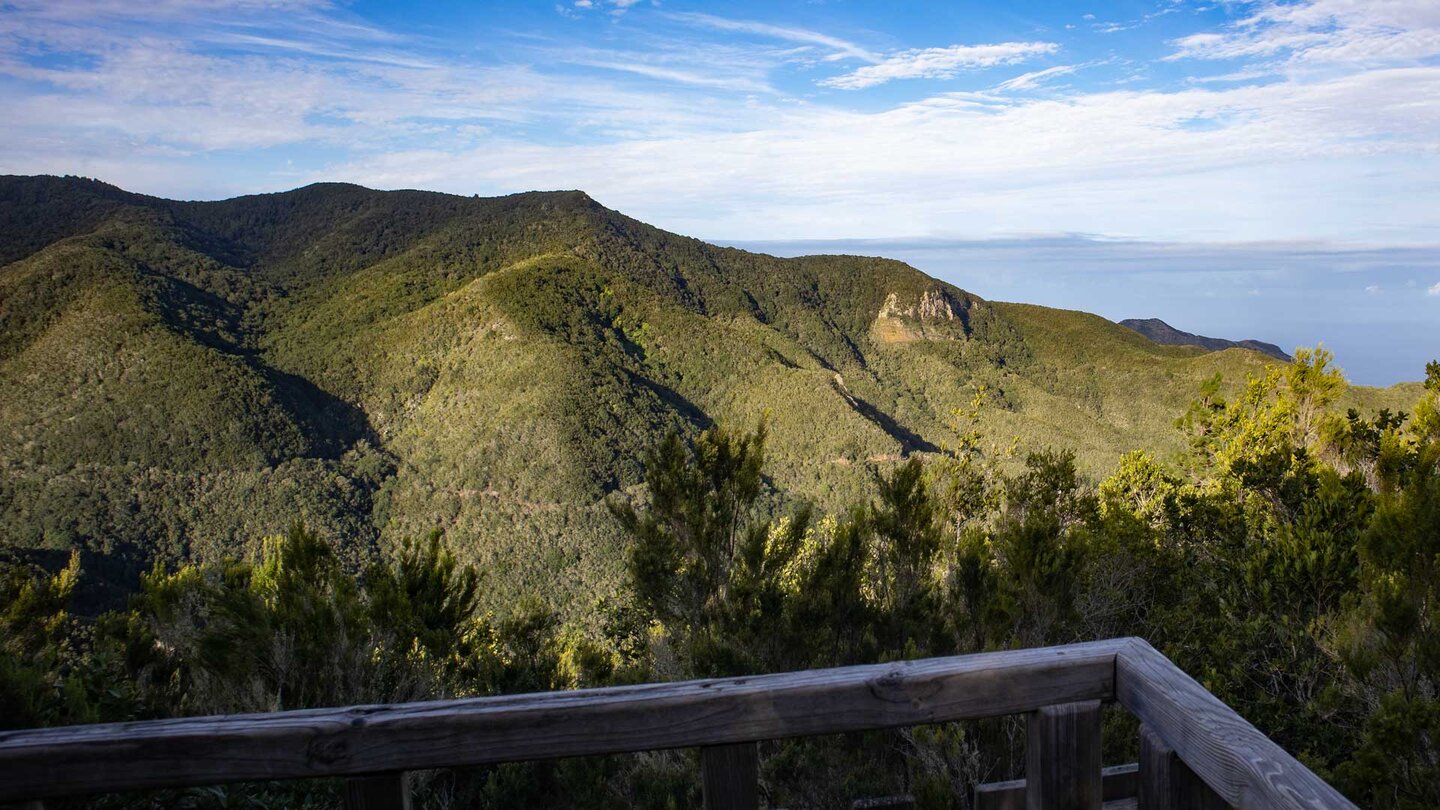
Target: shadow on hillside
(331,424)
(108,581)
(910,441)
(675,400)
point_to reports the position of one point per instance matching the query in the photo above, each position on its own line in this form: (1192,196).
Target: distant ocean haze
(1372,306)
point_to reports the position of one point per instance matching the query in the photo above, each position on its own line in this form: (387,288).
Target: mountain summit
(1161,332)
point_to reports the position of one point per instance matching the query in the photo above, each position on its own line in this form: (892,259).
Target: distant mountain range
(179,379)
(1161,332)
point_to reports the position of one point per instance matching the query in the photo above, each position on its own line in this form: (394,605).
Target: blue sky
(1267,170)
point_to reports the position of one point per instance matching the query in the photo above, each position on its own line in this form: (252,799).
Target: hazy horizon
(1286,294)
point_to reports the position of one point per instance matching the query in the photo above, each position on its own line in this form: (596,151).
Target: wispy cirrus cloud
(838,48)
(179,80)
(939,63)
(157,9)
(1034,78)
(1323,31)
(617,7)
(673,74)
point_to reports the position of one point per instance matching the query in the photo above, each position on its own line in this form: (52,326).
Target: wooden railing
(1195,751)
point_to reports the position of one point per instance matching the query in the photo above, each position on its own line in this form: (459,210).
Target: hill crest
(1162,332)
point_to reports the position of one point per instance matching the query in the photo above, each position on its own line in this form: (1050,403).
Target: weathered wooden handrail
(1244,767)
(1232,757)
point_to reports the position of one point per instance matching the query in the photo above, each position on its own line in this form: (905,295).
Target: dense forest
(1290,560)
(338,446)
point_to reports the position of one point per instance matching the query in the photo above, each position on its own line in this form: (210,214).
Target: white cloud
(137,93)
(157,9)
(1360,32)
(1026,81)
(1350,152)
(676,75)
(840,48)
(939,63)
(1372,289)
(617,7)
(1434,290)
(1282,160)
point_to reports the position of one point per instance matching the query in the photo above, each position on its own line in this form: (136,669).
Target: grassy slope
(182,377)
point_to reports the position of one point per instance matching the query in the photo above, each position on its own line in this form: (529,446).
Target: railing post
(1167,783)
(1062,757)
(731,776)
(381,791)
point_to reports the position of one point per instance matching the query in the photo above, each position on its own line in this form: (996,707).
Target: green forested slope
(177,379)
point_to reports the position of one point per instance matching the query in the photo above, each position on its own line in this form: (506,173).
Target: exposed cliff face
(936,315)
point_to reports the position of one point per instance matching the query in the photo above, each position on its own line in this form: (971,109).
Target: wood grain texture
(367,739)
(1116,782)
(730,775)
(384,791)
(1062,757)
(1239,763)
(1167,783)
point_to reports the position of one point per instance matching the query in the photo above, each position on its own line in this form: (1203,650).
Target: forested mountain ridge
(182,378)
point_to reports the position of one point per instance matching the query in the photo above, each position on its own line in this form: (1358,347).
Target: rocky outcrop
(935,315)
